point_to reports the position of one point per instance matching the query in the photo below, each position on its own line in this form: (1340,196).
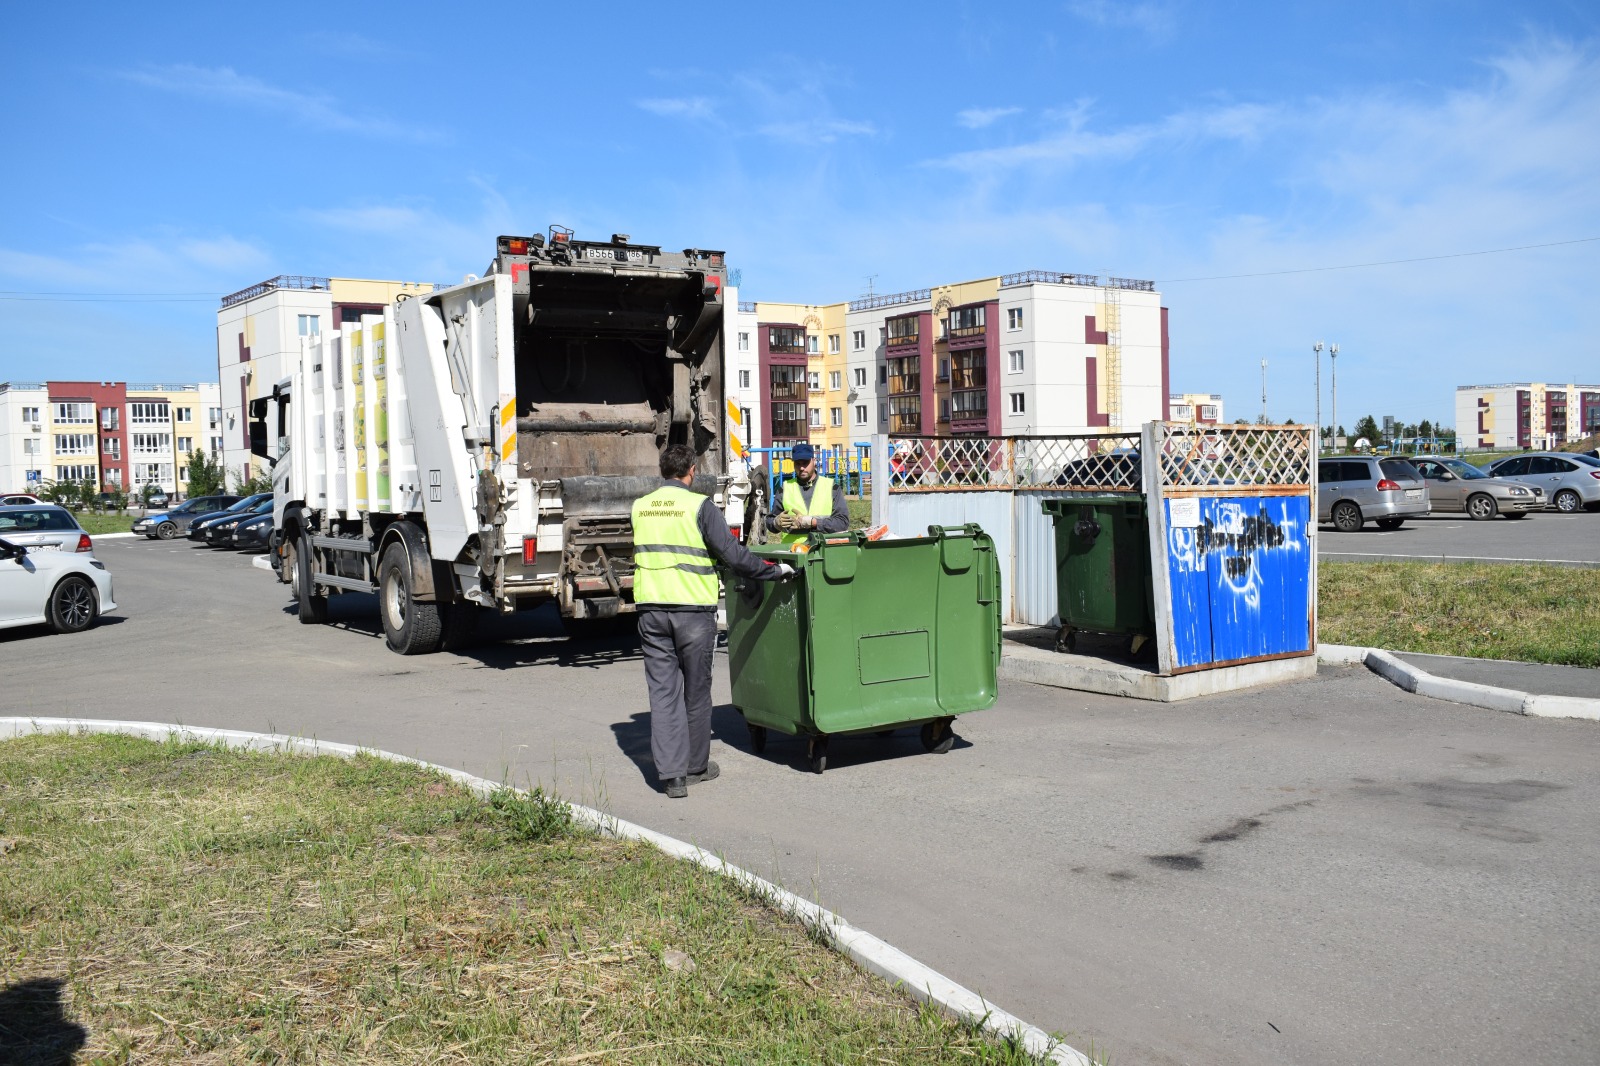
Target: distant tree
(1241,421)
(1425,428)
(147,490)
(206,475)
(246,483)
(1368,427)
(118,500)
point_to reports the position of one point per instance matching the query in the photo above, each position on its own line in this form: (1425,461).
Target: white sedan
(66,590)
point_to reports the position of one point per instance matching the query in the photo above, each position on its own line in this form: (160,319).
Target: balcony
(788,392)
(969,406)
(968,377)
(905,423)
(905,384)
(789,429)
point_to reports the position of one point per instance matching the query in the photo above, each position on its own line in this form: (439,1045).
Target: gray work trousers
(678,647)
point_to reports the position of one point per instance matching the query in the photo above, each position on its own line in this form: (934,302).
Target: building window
(813,346)
(151,473)
(816,418)
(75,414)
(744,341)
(30,414)
(905,415)
(1017,361)
(944,368)
(787,340)
(110,418)
(944,410)
(152,443)
(74,443)
(883,412)
(309,326)
(786,421)
(858,340)
(216,445)
(883,374)
(185,445)
(77,472)
(184,414)
(1208,411)
(112,446)
(859,376)
(744,379)
(213,416)
(1182,412)
(788,383)
(861,414)
(814,380)
(833,342)
(970,405)
(1013,318)
(836,416)
(904,330)
(744,419)
(31,446)
(834,377)
(183,473)
(968,321)
(1019,405)
(114,477)
(150,414)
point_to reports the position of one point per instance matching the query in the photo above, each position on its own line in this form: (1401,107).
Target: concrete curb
(1389,557)
(114,536)
(1415,679)
(867,951)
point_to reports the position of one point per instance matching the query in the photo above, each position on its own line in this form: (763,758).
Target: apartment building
(1020,354)
(115,434)
(1525,415)
(259,326)
(1201,408)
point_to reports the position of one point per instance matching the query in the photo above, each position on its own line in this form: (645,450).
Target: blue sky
(190,151)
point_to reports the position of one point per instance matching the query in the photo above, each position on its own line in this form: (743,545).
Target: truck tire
(313,608)
(409,627)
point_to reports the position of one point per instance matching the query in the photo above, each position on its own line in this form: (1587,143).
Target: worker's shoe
(708,774)
(677,787)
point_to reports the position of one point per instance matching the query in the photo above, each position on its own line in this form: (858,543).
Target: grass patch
(860,513)
(103,523)
(199,904)
(1541,614)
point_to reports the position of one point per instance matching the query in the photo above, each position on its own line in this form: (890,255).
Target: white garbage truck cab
(480,447)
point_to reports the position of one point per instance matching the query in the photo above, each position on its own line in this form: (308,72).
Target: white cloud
(976,118)
(1157,21)
(691,107)
(817,130)
(227,84)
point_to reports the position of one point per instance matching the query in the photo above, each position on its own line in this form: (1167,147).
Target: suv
(1352,489)
(1570,480)
(168,524)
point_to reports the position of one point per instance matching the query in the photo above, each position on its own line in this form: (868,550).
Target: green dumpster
(1103,569)
(869,637)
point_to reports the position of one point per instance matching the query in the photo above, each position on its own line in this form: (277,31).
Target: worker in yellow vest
(808,502)
(677,534)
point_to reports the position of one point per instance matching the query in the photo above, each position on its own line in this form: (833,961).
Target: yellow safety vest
(670,558)
(794,500)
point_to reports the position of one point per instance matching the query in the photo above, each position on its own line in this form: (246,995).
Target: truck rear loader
(479,448)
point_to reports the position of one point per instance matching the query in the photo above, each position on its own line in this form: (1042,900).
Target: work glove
(786,521)
(785,572)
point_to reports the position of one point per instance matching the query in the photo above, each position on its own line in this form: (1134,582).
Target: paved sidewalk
(1538,679)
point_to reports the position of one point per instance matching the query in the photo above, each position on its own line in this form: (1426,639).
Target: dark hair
(676,459)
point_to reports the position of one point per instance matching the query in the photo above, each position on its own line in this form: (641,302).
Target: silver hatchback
(1457,485)
(1354,488)
(43,527)
(1570,480)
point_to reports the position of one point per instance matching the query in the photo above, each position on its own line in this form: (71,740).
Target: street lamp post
(1317,349)
(1333,363)
(1263,392)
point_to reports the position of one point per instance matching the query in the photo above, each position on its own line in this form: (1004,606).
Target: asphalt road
(1331,871)
(1544,536)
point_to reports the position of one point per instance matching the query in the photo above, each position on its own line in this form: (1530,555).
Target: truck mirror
(258,439)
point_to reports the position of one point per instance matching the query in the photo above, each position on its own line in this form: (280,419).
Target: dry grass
(210,906)
(1542,614)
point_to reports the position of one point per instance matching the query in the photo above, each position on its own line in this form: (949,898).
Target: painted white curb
(262,562)
(114,536)
(1415,679)
(867,951)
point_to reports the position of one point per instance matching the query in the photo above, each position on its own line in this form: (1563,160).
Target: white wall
(14,462)
(273,332)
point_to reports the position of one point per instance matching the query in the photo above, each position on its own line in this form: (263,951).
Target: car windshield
(1464,470)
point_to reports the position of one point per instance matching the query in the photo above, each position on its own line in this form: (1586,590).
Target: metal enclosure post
(880,478)
(1160,572)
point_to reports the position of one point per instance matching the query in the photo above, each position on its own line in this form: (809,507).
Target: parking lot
(1572,540)
(1324,872)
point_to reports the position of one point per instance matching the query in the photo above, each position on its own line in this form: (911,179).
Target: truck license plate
(613,255)
(1413,494)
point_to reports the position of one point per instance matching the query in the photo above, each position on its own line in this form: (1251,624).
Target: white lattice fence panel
(1206,457)
(934,464)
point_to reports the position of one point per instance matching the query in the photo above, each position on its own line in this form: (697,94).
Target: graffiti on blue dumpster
(1241,579)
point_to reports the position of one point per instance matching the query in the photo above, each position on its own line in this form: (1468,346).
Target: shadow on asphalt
(42,630)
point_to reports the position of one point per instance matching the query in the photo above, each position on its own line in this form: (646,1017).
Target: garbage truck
(479,448)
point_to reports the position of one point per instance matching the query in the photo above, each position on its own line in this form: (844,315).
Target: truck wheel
(409,627)
(313,608)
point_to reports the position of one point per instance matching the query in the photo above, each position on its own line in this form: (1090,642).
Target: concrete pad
(1087,673)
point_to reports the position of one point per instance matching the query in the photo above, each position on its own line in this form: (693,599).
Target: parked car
(1352,489)
(19,497)
(219,529)
(236,509)
(168,524)
(159,499)
(1570,480)
(66,590)
(1457,485)
(253,533)
(43,527)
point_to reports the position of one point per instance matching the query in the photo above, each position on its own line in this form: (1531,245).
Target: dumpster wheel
(817,754)
(1066,638)
(758,738)
(937,736)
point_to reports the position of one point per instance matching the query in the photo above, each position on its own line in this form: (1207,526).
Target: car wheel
(1482,507)
(1346,517)
(73,605)
(167,530)
(313,608)
(409,627)
(1567,502)
(1390,523)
